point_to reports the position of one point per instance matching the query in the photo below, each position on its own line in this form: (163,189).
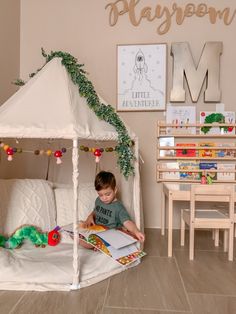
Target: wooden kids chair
(209,218)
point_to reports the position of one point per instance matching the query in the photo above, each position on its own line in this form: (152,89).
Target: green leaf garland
(104,112)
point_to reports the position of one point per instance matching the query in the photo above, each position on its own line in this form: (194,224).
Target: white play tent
(49,106)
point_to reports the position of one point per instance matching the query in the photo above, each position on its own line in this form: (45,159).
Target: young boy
(109,211)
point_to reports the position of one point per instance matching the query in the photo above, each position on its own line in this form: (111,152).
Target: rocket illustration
(140,66)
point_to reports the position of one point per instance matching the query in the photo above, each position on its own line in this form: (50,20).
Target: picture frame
(141,77)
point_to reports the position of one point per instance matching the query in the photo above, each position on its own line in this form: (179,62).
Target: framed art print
(141,77)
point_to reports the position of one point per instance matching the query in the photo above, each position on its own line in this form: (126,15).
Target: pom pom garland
(10,151)
(96,151)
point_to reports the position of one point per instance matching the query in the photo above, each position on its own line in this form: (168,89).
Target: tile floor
(159,285)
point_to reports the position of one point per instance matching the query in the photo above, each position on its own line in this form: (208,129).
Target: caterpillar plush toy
(32,233)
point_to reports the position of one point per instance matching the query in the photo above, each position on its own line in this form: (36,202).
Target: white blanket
(50,268)
(32,201)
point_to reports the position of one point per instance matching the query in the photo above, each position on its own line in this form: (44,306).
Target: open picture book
(115,243)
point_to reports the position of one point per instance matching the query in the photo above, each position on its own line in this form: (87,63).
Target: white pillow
(26,201)
(64,203)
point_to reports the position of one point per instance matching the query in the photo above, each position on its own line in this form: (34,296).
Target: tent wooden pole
(75,177)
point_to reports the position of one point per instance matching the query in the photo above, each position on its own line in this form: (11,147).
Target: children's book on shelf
(181,116)
(187,166)
(173,175)
(229,173)
(207,166)
(224,152)
(115,243)
(226,117)
(186,152)
(167,141)
(207,152)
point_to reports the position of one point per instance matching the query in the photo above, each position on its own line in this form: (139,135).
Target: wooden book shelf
(183,152)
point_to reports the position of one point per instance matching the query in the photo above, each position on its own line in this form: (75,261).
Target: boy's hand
(89,221)
(131,227)
(140,236)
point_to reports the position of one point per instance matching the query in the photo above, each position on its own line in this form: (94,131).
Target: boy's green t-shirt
(111,215)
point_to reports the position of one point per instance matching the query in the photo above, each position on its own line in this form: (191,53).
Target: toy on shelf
(209,179)
(203,179)
(38,238)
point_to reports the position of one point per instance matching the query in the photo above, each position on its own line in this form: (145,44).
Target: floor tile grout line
(18,302)
(202,250)
(148,309)
(106,293)
(181,278)
(213,294)
(157,256)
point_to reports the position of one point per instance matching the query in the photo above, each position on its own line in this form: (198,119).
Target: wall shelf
(220,149)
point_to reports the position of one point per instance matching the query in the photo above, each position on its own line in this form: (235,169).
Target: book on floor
(115,243)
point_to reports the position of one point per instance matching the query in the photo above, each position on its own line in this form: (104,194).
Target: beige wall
(9,47)
(81,28)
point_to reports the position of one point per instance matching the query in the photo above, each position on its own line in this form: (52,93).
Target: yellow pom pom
(49,152)
(5,147)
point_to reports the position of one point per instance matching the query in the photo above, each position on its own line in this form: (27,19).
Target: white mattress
(31,201)
(50,268)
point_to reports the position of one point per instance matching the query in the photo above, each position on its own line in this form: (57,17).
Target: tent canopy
(50,106)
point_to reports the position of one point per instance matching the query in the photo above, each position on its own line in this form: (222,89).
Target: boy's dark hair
(105,179)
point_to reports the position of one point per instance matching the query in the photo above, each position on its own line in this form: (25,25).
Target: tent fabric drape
(49,106)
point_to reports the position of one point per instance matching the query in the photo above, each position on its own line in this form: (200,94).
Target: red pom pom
(97,153)
(58,153)
(9,151)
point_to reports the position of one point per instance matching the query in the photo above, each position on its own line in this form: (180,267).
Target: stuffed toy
(32,233)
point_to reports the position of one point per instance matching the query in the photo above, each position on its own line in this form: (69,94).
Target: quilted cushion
(64,202)
(26,201)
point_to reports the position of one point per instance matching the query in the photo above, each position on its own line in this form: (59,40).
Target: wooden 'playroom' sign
(137,13)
